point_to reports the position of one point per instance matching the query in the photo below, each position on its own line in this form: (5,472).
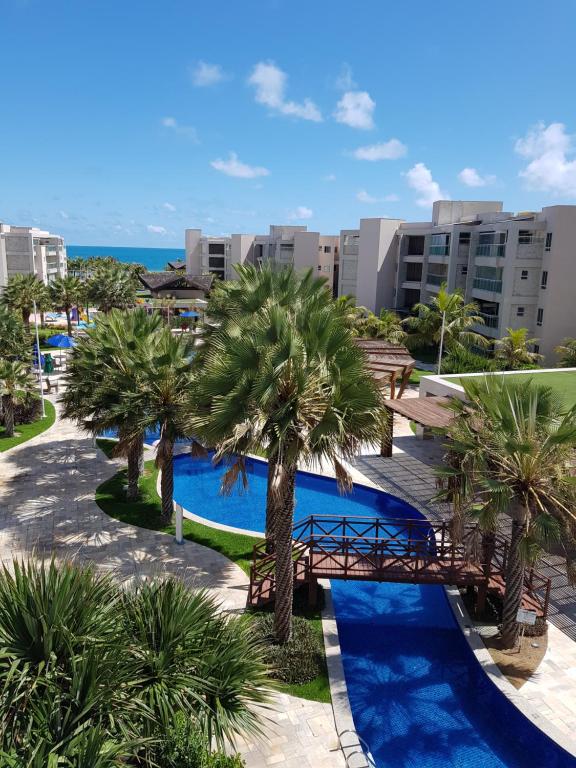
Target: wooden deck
(399,551)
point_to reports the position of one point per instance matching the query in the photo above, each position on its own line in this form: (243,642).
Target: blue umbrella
(61,341)
(189,314)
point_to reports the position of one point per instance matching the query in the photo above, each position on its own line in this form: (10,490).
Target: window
(464,269)
(439,245)
(544,280)
(327,249)
(218,262)
(520,311)
(548,245)
(536,348)
(415,245)
(524,275)
(540,316)
(216,249)
(319,267)
(464,238)
(525,237)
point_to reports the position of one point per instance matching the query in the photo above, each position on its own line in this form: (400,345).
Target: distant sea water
(154,259)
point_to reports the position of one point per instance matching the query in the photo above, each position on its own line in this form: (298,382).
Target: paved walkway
(47,489)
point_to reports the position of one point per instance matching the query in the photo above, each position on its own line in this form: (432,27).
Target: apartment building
(519,268)
(283,245)
(27,250)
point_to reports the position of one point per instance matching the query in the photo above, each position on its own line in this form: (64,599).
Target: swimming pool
(418,696)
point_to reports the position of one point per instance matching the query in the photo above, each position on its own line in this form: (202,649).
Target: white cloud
(301,212)
(330,177)
(155,229)
(420,178)
(355,109)
(365,197)
(345,81)
(548,148)
(471,178)
(204,75)
(183,130)
(234,167)
(269,82)
(64,215)
(385,150)
(169,207)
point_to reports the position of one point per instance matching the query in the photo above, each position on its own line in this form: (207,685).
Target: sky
(122,122)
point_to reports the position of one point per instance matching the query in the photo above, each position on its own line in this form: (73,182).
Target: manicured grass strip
(110,497)
(24,432)
(563,383)
(417,374)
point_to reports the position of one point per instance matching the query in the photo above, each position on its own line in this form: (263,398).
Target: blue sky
(124,121)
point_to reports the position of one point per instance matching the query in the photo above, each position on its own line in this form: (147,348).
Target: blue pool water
(418,696)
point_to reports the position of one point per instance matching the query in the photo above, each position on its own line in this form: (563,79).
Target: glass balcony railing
(494,250)
(490,321)
(439,250)
(483,284)
(436,279)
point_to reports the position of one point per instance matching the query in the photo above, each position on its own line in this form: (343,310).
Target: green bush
(27,409)
(185,747)
(466,361)
(298,661)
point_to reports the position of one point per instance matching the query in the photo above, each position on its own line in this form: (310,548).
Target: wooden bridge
(408,551)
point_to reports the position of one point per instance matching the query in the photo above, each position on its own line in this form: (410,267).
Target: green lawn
(418,374)
(562,382)
(24,432)
(110,497)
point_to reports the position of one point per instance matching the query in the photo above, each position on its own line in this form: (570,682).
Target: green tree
(105,373)
(288,380)
(15,381)
(65,293)
(567,353)
(425,326)
(386,326)
(512,447)
(112,285)
(97,675)
(513,350)
(20,294)
(13,334)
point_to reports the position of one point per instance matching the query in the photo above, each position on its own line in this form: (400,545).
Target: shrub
(185,747)
(27,409)
(466,361)
(298,661)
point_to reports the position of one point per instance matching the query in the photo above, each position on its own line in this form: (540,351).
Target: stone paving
(47,490)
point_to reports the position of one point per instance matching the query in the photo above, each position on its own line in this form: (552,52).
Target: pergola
(390,364)
(428,412)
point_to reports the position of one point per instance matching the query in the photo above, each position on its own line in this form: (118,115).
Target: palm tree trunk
(283,521)
(8,408)
(167,482)
(133,456)
(26,318)
(141,457)
(68,321)
(270,504)
(514,587)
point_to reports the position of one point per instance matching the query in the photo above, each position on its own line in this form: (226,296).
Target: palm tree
(512,446)
(287,380)
(450,310)
(96,675)
(164,402)
(12,333)
(105,371)
(567,353)
(15,380)
(20,294)
(112,285)
(386,326)
(65,293)
(513,350)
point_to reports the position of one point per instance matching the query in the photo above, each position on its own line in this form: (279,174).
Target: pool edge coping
(497,677)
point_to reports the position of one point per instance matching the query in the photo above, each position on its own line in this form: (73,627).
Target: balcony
(483,284)
(439,250)
(436,279)
(490,321)
(495,250)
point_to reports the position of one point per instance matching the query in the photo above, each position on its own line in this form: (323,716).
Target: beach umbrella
(61,341)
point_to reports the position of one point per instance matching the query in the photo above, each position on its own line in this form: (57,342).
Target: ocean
(154,259)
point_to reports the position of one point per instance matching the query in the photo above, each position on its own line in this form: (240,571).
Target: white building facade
(27,250)
(283,245)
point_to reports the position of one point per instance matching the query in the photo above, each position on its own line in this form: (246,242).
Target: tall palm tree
(12,333)
(288,380)
(513,349)
(450,310)
(567,353)
(65,293)
(20,294)
(105,370)
(15,380)
(164,402)
(512,446)
(112,286)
